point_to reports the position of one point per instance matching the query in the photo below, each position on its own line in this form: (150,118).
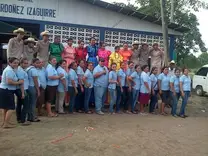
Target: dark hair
(35,60)
(51,58)
(130,62)
(81,61)
(177,69)
(56,37)
(80,41)
(184,69)
(166,67)
(153,69)
(116,47)
(102,43)
(144,66)
(60,63)
(70,39)
(137,66)
(113,64)
(88,63)
(12,59)
(23,60)
(72,64)
(92,38)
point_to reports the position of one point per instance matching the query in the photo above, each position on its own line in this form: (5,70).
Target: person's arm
(35,79)
(63,81)
(15,83)
(99,74)
(22,90)
(181,87)
(84,79)
(145,79)
(10,47)
(80,83)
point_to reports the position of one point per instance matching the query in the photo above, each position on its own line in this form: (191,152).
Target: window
(202,72)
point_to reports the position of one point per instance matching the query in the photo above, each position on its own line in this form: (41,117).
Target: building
(81,19)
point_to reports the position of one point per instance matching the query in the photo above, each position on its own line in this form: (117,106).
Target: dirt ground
(117,135)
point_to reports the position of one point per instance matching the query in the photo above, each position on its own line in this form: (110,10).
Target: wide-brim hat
(155,44)
(19,30)
(135,43)
(172,62)
(145,43)
(45,33)
(30,40)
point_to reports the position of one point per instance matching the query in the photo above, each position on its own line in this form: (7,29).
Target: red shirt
(81,54)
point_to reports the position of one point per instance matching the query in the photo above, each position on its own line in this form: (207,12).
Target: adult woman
(80,96)
(185,88)
(33,91)
(69,52)
(154,86)
(175,91)
(88,80)
(145,89)
(92,51)
(115,57)
(135,78)
(80,52)
(103,53)
(73,84)
(126,53)
(121,89)
(112,87)
(164,88)
(62,86)
(53,80)
(156,57)
(22,108)
(7,88)
(56,48)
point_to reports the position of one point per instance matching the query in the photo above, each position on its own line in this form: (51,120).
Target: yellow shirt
(115,58)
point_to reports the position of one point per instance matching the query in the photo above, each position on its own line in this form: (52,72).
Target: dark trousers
(122,98)
(88,92)
(79,101)
(153,101)
(72,95)
(19,104)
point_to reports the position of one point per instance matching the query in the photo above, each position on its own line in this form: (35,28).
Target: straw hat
(145,43)
(44,33)
(135,43)
(154,44)
(19,30)
(30,40)
(172,62)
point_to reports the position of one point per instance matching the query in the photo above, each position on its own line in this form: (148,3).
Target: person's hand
(160,92)
(182,94)
(61,75)
(153,92)
(88,85)
(149,92)
(82,89)
(23,95)
(174,93)
(104,71)
(76,91)
(129,89)
(38,93)
(121,90)
(20,82)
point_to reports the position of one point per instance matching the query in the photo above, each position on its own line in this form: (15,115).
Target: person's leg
(118,98)
(184,103)
(152,103)
(57,101)
(78,100)
(25,109)
(125,96)
(40,101)
(30,104)
(104,97)
(82,100)
(61,102)
(112,97)
(19,104)
(7,119)
(98,98)
(87,96)
(34,98)
(134,99)
(72,99)
(174,104)
(4,111)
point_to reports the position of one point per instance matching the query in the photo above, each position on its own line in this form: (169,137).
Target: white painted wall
(79,12)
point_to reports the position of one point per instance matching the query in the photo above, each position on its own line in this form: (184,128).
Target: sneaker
(100,113)
(175,115)
(143,114)
(26,123)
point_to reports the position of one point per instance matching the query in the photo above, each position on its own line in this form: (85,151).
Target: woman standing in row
(103,53)
(115,57)
(92,51)
(80,52)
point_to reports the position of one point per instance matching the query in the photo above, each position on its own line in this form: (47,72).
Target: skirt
(144,98)
(50,93)
(7,99)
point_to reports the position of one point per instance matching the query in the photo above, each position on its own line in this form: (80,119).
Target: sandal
(163,113)
(89,112)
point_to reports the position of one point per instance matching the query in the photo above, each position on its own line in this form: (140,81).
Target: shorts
(7,99)
(144,98)
(165,96)
(50,93)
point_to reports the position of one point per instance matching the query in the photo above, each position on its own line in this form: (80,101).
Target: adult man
(172,68)
(42,48)
(100,74)
(15,45)
(135,54)
(143,54)
(29,49)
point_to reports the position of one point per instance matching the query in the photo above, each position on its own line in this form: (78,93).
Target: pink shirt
(69,54)
(105,55)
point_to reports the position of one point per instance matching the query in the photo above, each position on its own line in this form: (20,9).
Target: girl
(62,86)
(115,57)
(154,86)
(112,87)
(33,91)
(164,88)
(52,84)
(135,78)
(8,85)
(185,88)
(73,84)
(145,89)
(103,53)
(88,80)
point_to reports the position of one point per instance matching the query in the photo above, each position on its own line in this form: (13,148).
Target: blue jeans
(122,98)
(153,101)
(112,99)
(100,96)
(32,93)
(72,97)
(135,95)
(184,102)
(79,100)
(174,102)
(88,92)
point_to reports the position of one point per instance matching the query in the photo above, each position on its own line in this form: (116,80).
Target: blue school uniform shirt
(72,76)
(137,79)
(101,81)
(112,76)
(42,77)
(90,78)
(8,73)
(175,80)
(165,82)
(128,73)
(186,80)
(122,75)
(51,71)
(22,75)
(154,81)
(32,72)
(145,78)
(80,72)
(60,71)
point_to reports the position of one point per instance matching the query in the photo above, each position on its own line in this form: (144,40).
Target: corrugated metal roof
(130,12)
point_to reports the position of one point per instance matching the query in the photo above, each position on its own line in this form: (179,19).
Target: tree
(203,59)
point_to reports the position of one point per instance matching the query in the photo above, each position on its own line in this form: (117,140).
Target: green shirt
(56,50)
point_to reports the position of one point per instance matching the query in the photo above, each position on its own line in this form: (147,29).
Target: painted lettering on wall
(31,11)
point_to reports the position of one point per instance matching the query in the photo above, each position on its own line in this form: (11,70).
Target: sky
(201,15)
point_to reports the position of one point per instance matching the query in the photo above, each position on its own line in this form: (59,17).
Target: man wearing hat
(135,54)
(29,49)
(143,54)
(15,45)
(42,48)
(172,66)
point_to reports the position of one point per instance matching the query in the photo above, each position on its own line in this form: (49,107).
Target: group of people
(45,73)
